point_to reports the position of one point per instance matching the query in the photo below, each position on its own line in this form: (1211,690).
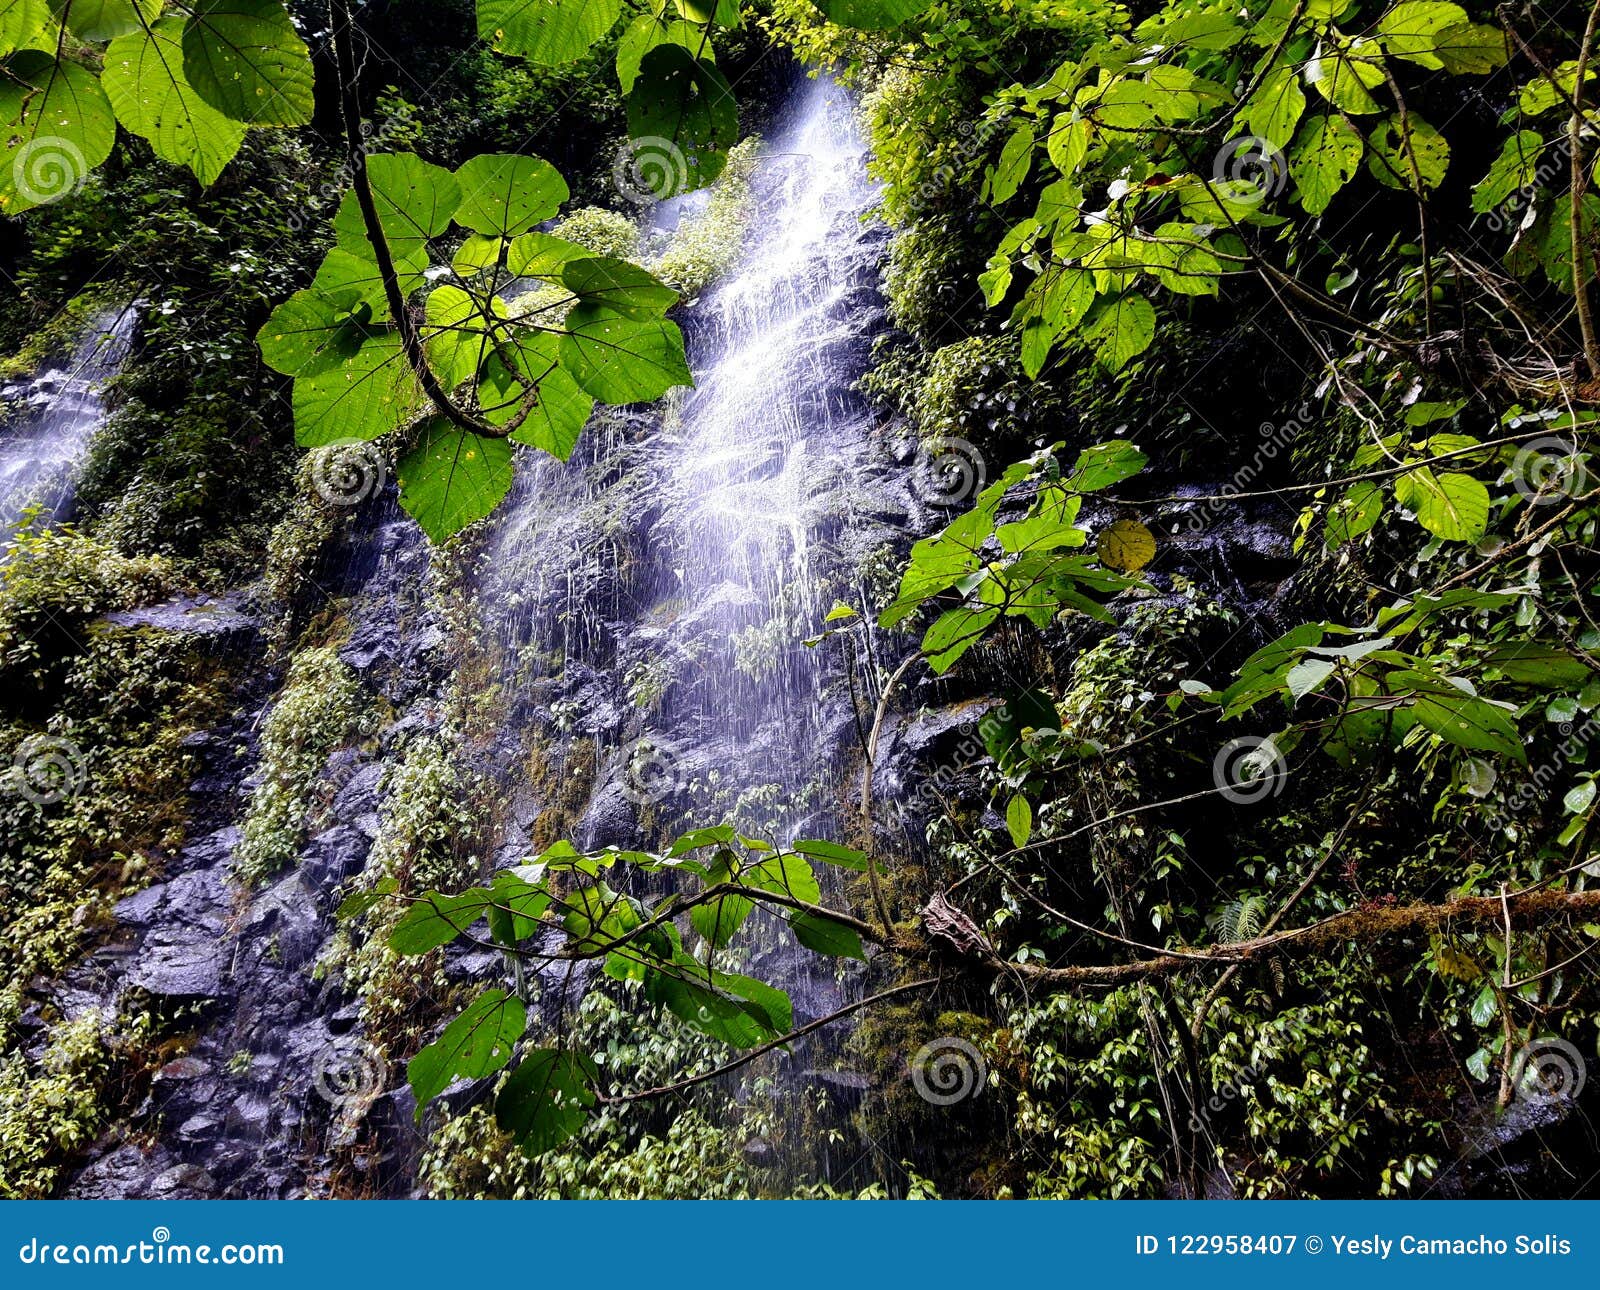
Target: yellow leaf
(1127,546)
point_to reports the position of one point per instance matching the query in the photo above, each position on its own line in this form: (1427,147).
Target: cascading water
(756,496)
(650,600)
(58,413)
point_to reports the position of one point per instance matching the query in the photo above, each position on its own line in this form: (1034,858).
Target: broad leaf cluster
(670,946)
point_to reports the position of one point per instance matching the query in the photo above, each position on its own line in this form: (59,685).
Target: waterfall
(56,415)
(656,593)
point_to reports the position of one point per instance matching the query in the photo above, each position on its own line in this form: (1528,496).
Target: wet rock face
(278,1081)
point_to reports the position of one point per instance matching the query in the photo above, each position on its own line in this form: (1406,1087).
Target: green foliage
(707,245)
(320,707)
(547,1097)
(48,1114)
(52,583)
(529,375)
(1027,572)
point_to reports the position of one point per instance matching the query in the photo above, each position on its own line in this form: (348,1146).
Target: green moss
(321,707)
(601,231)
(706,246)
(49,1113)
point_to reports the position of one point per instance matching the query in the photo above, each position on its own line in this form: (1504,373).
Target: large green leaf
(350,279)
(145,82)
(621,287)
(1121,329)
(1452,506)
(1055,302)
(1516,167)
(1411,30)
(1355,513)
(561,411)
(105,19)
(506,194)
(546,1099)
(953,633)
(415,201)
(684,105)
(308,332)
(1344,75)
(826,936)
(245,59)
(1276,107)
(1104,464)
(742,1023)
(645,32)
(719,920)
(1391,155)
(1326,153)
(456,335)
(546,31)
(437,919)
(1530,663)
(55,127)
(452,478)
(540,255)
(1016,159)
(359,391)
(1458,717)
(872,15)
(22,24)
(623,360)
(784,875)
(475,1044)
(832,853)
